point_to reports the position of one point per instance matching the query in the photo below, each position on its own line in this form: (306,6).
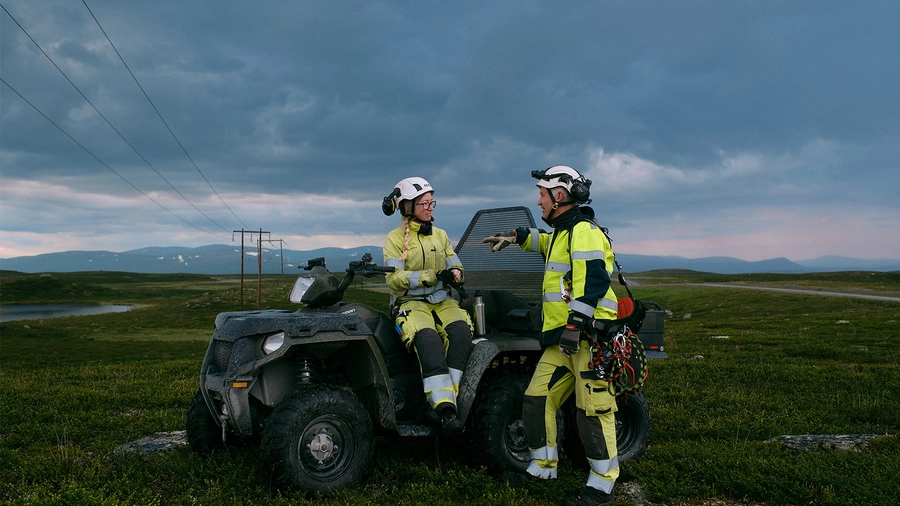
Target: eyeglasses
(428,205)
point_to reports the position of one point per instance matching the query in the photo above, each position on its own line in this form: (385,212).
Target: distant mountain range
(225,259)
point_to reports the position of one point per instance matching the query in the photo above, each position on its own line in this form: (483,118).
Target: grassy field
(744,366)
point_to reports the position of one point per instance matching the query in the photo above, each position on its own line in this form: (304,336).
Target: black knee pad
(430,350)
(460,336)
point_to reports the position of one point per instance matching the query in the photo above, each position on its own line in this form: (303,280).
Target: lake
(40,311)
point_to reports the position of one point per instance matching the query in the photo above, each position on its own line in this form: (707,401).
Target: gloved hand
(568,341)
(449,276)
(428,277)
(501,240)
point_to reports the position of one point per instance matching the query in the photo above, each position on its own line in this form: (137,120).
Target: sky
(754,130)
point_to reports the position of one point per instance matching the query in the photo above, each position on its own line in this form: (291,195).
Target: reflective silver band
(557,267)
(588,255)
(581,307)
(453,260)
(535,235)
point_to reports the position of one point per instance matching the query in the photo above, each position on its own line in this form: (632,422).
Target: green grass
(76,389)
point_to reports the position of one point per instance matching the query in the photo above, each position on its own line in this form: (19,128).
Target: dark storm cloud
(693,109)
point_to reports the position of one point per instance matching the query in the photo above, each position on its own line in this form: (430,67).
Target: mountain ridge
(225,259)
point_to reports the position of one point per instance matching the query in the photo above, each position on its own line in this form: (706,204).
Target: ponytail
(405,254)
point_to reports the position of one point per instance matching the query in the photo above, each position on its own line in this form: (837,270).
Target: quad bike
(315,386)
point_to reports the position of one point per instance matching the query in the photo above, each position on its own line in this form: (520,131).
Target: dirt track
(890,298)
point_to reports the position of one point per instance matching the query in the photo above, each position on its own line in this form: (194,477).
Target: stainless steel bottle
(479,314)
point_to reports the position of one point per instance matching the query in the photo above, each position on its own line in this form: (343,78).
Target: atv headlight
(272,343)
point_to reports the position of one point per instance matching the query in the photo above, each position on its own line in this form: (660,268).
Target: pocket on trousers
(598,400)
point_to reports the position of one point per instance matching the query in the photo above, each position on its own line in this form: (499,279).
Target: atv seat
(396,357)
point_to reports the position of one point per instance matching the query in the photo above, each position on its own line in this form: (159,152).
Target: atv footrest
(415,430)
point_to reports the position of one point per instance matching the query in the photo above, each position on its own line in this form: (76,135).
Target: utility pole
(258,260)
(280,255)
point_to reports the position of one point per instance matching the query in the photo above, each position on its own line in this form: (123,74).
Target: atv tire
(632,429)
(632,426)
(204,435)
(319,440)
(499,426)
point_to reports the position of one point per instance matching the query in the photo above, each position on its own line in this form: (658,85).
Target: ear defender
(388,207)
(581,189)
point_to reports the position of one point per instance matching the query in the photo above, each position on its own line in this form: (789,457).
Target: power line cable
(102,162)
(107,120)
(160,114)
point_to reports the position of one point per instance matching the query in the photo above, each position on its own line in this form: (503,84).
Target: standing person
(576,289)
(429,320)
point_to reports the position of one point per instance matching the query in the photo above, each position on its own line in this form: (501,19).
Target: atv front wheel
(203,433)
(499,425)
(319,440)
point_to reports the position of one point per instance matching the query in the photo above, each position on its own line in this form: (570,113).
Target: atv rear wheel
(203,433)
(632,426)
(632,429)
(499,425)
(319,440)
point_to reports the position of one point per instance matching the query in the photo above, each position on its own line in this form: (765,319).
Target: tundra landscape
(745,368)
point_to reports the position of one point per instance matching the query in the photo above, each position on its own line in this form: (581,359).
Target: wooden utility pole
(258,261)
(280,255)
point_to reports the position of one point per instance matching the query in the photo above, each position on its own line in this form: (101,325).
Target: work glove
(501,240)
(449,276)
(428,278)
(568,341)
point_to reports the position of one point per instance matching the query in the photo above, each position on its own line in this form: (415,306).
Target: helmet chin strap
(556,204)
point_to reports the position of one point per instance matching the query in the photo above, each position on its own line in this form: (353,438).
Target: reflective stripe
(413,280)
(438,296)
(437,382)
(546,453)
(588,255)
(438,396)
(455,376)
(451,261)
(557,267)
(604,466)
(599,483)
(553,297)
(535,235)
(396,263)
(544,473)
(425,290)
(581,307)
(439,388)
(609,304)
(604,302)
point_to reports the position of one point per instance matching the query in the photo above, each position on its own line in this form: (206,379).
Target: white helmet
(406,189)
(566,177)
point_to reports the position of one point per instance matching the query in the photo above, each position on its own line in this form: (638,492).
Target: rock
(812,442)
(158,442)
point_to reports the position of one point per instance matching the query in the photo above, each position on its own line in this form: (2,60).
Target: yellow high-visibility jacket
(415,278)
(587,270)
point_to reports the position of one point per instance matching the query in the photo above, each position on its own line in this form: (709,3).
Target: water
(41,311)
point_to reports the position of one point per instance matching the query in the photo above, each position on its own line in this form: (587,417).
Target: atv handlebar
(366,268)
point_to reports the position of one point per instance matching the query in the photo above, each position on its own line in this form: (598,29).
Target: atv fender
(484,353)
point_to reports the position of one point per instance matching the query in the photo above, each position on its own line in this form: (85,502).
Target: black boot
(516,479)
(590,497)
(449,421)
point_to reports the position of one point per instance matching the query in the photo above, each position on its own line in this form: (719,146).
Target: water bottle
(479,314)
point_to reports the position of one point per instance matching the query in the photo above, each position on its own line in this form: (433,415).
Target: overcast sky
(747,129)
